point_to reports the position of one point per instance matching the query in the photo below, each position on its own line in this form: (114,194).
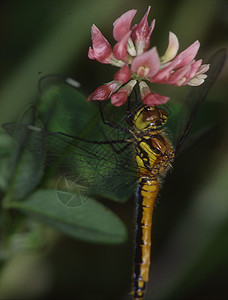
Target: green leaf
(86,220)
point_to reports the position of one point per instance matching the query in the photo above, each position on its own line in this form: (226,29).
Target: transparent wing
(95,168)
(191,105)
(63,107)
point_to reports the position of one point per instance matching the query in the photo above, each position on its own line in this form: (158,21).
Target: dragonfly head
(149,118)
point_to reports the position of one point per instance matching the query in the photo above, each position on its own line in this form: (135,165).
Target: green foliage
(85,220)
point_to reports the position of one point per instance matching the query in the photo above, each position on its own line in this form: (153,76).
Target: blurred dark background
(190,228)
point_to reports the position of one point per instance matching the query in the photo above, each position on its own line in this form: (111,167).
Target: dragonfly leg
(113,142)
(110,124)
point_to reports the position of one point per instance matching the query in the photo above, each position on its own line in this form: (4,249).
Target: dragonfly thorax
(149,118)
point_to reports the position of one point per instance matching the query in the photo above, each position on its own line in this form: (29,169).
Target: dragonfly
(122,156)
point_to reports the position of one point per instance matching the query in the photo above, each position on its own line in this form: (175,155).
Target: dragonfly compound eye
(155,116)
(149,117)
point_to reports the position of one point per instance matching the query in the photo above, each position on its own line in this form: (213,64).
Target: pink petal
(155,99)
(121,96)
(146,64)
(91,54)
(101,50)
(180,76)
(172,48)
(162,75)
(140,33)
(123,75)
(199,76)
(186,56)
(120,49)
(182,59)
(151,28)
(195,67)
(203,69)
(150,98)
(105,91)
(122,25)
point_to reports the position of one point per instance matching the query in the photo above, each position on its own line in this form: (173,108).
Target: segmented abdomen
(146,195)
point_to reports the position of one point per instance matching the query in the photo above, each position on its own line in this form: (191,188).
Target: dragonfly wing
(93,167)
(194,100)
(63,107)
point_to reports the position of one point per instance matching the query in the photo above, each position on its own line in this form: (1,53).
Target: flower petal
(150,98)
(105,91)
(120,49)
(122,25)
(131,47)
(180,76)
(162,75)
(172,48)
(146,64)
(144,89)
(196,81)
(101,50)
(155,99)
(186,56)
(121,96)
(199,76)
(181,60)
(203,69)
(151,28)
(194,68)
(140,33)
(91,54)
(123,75)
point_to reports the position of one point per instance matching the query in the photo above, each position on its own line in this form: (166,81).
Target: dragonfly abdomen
(146,196)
